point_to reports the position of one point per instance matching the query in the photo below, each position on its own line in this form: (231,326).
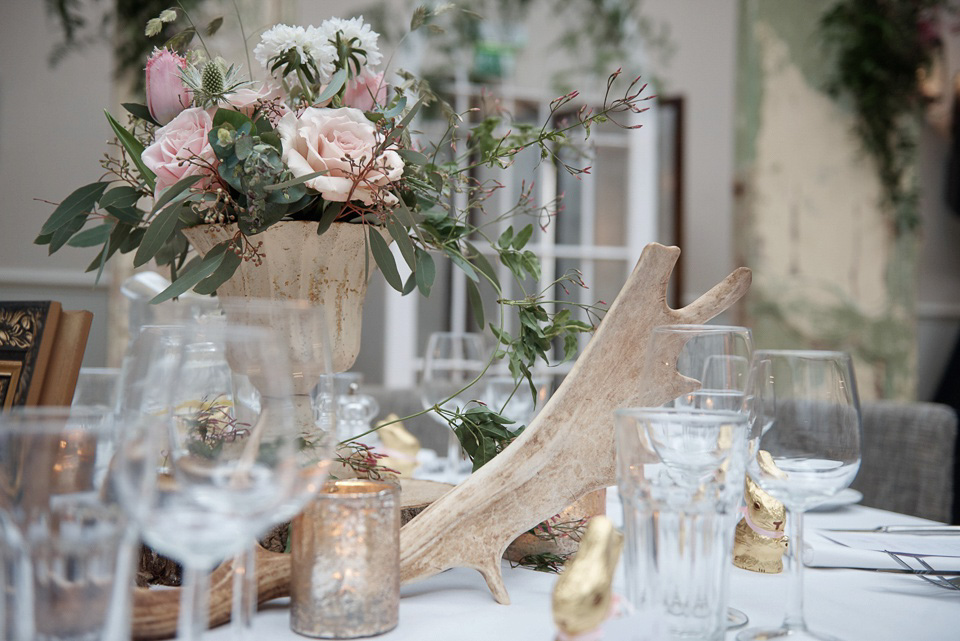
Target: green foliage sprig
(878,47)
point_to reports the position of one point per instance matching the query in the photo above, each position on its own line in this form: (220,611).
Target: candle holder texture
(345,571)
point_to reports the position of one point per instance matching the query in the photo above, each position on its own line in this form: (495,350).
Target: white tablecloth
(854,605)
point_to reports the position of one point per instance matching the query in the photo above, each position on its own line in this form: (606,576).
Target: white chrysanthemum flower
(310,44)
(323,53)
(355,28)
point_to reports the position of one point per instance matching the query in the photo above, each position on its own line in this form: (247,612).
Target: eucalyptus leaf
(76,204)
(207,266)
(140,111)
(173,191)
(410,285)
(134,148)
(221,275)
(235,118)
(426,272)
(66,232)
(93,236)
(402,238)
(330,213)
(464,266)
(397,109)
(384,258)
(159,231)
(271,138)
(398,130)
(129,215)
(480,262)
(132,240)
(476,302)
(122,196)
(333,87)
(294,181)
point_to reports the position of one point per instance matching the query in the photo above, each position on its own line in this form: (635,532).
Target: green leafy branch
(878,48)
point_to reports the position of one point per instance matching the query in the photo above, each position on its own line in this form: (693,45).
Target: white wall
(52,133)
(703,72)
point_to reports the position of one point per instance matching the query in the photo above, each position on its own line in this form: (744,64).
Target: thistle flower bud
(212,79)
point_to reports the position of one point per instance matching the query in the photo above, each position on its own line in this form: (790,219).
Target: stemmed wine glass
(452,361)
(67,547)
(217,476)
(805,448)
(302,328)
(716,358)
(512,398)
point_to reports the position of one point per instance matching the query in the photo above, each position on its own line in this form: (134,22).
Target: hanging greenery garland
(878,47)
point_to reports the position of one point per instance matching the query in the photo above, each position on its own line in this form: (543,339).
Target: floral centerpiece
(315,131)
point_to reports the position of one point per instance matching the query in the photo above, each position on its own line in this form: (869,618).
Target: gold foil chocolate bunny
(583,595)
(400,446)
(759,542)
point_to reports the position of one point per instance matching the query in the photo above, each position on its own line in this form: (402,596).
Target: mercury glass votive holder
(345,568)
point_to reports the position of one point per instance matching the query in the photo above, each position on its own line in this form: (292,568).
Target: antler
(568,449)
(565,453)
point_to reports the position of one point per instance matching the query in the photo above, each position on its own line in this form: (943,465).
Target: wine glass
(453,361)
(805,448)
(97,387)
(217,476)
(67,548)
(302,328)
(513,398)
(717,358)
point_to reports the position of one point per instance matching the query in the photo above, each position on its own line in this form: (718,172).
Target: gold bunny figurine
(400,446)
(583,595)
(759,542)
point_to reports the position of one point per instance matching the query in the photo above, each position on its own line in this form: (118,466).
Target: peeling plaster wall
(828,272)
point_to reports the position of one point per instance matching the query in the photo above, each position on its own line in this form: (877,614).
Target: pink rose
(166,94)
(366,91)
(340,142)
(246,99)
(181,148)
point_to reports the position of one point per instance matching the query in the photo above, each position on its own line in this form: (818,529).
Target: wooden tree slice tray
(155,610)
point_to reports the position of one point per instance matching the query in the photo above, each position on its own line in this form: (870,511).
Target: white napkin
(832,549)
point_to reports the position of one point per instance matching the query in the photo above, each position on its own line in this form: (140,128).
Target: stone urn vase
(327,270)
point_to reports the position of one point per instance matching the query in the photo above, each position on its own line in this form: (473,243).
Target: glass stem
(194,604)
(794,619)
(244,605)
(453,456)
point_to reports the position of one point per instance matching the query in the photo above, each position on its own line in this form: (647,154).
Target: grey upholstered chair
(908,451)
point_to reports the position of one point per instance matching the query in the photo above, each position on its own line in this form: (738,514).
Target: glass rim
(700,416)
(191,329)
(239,302)
(692,328)
(445,334)
(52,419)
(821,354)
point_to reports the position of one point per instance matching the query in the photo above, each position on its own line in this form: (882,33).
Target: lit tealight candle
(345,577)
